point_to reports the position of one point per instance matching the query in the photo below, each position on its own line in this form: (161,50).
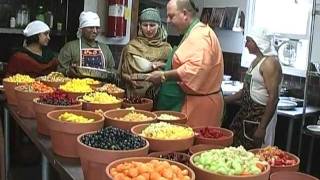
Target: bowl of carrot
(148,168)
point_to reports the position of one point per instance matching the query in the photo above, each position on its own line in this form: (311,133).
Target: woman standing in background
(148,48)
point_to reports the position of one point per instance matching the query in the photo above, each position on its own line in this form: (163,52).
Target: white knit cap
(88,19)
(35,27)
(263,40)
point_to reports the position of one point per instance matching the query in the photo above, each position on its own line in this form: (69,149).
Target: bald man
(193,74)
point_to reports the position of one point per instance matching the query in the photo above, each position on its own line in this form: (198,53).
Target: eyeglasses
(193,5)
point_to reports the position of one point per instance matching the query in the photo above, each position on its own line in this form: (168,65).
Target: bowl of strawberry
(278,159)
(213,135)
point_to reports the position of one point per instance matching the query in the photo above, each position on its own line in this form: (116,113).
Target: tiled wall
(294,84)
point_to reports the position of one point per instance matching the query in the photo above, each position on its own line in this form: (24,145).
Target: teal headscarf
(150,14)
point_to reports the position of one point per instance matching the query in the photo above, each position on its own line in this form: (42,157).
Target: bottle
(12,22)
(18,18)
(40,13)
(49,19)
(24,15)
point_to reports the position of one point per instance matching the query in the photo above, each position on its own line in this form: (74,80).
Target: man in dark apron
(86,56)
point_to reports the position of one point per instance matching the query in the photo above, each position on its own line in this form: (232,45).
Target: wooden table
(68,168)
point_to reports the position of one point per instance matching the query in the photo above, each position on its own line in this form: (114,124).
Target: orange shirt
(199,63)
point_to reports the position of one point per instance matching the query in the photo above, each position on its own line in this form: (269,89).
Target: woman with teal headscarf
(149,47)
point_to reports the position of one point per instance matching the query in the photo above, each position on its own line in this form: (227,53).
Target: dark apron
(171,96)
(247,119)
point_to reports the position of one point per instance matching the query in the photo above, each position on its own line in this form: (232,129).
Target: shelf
(20,31)
(10,31)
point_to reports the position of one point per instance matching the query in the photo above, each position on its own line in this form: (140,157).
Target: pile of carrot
(153,170)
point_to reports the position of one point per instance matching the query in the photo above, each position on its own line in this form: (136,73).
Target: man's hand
(155,77)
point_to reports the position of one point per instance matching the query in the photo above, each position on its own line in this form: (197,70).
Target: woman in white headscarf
(33,59)
(254,124)
(86,56)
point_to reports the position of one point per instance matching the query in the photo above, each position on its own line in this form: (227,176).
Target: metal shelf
(10,31)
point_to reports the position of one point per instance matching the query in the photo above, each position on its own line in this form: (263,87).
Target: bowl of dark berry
(50,102)
(138,103)
(213,135)
(67,124)
(173,156)
(98,149)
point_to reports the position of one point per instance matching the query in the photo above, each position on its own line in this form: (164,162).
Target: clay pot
(203,147)
(53,84)
(144,160)
(273,169)
(73,95)
(94,160)
(182,116)
(111,115)
(64,134)
(284,175)
(202,174)
(9,91)
(173,156)
(147,106)
(96,106)
(226,140)
(25,102)
(41,111)
(119,95)
(165,145)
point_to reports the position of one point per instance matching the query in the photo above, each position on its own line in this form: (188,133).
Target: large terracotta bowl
(173,156)
(273,169)
(25,102)
(147,106)
(203,147)
(94,160)
(289,175)
(202,174)
(41,111)
(64,134)
(165,145)
(144,160)
(73,95)
(111,115)
(89,106)
(182,116)
(54,84)
(10,92)
(226,140)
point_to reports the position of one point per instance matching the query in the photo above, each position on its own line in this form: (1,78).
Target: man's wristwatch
(163,77)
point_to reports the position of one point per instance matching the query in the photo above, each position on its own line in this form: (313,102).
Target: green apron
(171,96)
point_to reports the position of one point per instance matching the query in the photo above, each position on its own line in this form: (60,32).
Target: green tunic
(70,54)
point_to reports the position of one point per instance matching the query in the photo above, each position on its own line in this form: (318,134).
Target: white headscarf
(263,40)
(35,27)
(88,19)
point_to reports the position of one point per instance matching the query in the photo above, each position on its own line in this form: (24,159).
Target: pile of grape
(57,98)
